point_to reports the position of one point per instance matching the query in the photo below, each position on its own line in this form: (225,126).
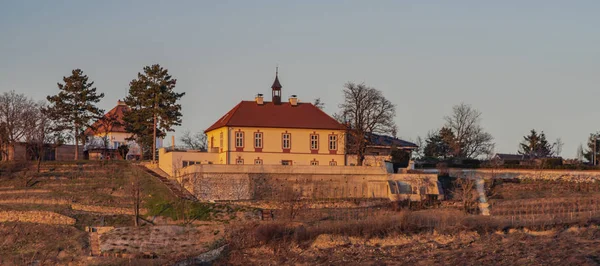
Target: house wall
(172,162)
(370,160)
(276,182)
(62,153)
(17,152)
(113,137)
(272,151)
(67,152)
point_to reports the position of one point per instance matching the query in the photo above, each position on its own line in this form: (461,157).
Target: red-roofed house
(108,133)
(275,132)
(270,132)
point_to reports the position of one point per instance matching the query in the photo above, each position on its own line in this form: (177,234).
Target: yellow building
(277,133)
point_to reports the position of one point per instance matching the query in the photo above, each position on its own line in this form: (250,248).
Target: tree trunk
(40,155)
(136,212)
(76,145)
(154,141)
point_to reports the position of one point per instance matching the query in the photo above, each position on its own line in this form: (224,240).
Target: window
(398,187)
(332,163)
(221,141)
(239,160)
(185,163)
(332,142)
(314,142)
(258,140)
(286,141)
(286,162)
(239,139)
(258,161)
(314,162)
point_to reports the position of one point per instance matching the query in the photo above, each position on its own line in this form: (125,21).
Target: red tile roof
(117,112)
(284,115)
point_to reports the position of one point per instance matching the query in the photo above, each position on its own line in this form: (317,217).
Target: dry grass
(24,244)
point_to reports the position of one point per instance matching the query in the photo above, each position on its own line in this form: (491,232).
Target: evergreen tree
(440,144)
(74,107)
(536,145)
(588,154)
(153,107)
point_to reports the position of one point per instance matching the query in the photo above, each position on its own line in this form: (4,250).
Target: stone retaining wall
(35,201)
(274,182)
(105,209)
(22,191)
(532,174)
(41,217)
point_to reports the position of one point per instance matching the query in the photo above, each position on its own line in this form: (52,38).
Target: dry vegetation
(533,222)
(522,230)
(89,192)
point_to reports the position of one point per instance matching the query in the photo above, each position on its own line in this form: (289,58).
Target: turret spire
(276,88)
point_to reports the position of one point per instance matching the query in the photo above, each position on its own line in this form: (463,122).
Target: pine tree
(588,154)
(440,144)
(153,107)
(536,145)
(74,107)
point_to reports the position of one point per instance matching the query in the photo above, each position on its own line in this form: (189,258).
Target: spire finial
(277,70)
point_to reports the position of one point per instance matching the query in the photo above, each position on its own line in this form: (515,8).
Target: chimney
(293,100)
(173,141)
(119,102)
(259,99)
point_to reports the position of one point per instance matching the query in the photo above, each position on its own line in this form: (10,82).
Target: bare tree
(17,114)
(194,142)
(580,154)
(558,146)
(292,202)
(135,188)
(464,191)
(367,112)
(41,137)
(471,141)
(418,153)
(319,104)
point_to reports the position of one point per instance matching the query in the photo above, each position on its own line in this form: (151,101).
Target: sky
(524,64)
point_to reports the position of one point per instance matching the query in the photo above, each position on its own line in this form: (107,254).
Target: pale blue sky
(523,64)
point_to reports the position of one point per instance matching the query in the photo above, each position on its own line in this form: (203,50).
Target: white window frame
(221,141)
(239,139)
(258,140)
(333,142)
(314,142)
(286,141)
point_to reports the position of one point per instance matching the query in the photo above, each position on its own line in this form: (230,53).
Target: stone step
(95,244)
(175,188)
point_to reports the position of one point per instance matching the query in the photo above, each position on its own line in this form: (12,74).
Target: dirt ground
(565,247)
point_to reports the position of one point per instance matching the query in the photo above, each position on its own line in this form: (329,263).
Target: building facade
(108,133)
(277,133)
